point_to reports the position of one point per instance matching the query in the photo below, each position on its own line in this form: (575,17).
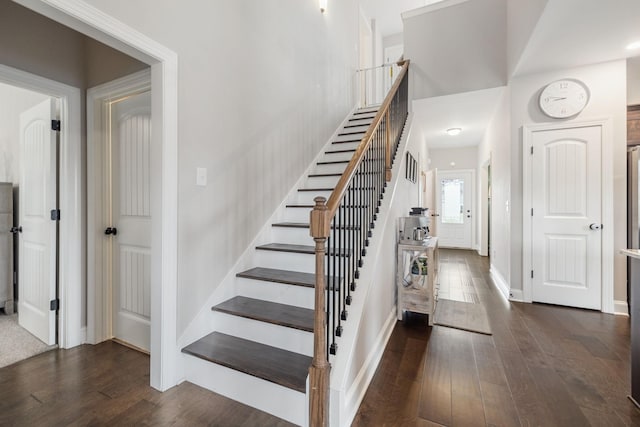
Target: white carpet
(16,343)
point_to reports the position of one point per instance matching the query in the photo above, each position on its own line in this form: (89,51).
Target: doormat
(462,315)
(16,343)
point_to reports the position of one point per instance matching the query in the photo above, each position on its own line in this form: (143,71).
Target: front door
(454,200)
(130,225)
(37,247)
(566,217)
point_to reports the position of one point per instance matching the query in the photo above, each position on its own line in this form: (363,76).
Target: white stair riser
(344,146)
(282,293)
(268,397)
(359,122)
(278,336)
(362,128)
(306,197)
(296,215)
(321,181)
(331,157)
(330,168)
(291,235)
(286,261)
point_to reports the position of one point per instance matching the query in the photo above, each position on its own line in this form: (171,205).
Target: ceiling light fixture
(323,6)
(454,131)
(634,45)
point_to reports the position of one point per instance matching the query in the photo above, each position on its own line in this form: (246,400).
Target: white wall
(13,101)
(496,146)
(633,81)
(262,85)
(607,84)
(522,17)
(375,296)
(463,157)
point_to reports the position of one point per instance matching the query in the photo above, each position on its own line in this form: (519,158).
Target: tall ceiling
(460,49)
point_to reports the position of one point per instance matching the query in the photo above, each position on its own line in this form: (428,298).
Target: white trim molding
(93,22)
(500,282)
(607,302)
(71,256)
(621,308)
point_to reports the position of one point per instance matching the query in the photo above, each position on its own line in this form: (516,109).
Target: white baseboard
(500,282)
(83,335)
(516,295)
(361,383)
(620,308)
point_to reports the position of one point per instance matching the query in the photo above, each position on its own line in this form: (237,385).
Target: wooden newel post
(320,367)
(388,159)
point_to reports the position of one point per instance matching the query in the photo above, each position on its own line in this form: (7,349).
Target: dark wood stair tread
(315,189)
(347,141)
(275,365)
(306,225)
(287,277)
(301,206)
(270,312)
(350,150)
(334,162)
(321,175)
(357,132)
(299,249)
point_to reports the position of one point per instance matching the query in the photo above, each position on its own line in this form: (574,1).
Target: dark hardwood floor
(108,384)
(543,366)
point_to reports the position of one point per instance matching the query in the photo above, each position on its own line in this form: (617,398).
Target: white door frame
(99,319)
(94,23)
(71,262)
(607,205)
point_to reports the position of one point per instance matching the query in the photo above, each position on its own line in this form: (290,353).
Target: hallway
(544,365)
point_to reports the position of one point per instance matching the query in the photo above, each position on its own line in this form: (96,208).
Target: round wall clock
(564,98)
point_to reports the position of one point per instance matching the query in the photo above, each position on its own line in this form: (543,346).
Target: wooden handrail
(341,187)
(367,173)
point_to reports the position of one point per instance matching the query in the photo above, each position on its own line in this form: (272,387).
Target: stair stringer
(372,314)
(192,369)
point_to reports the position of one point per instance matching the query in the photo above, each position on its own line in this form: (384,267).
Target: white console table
(417,292)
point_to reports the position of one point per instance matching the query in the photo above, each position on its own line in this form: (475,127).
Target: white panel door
(454,194)
(566,219)
(131,217)
(37,248)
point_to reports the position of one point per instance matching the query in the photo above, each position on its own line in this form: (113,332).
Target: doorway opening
(28,237)
(93,22)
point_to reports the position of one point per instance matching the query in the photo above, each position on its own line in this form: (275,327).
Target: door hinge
(54,304)
(532,149)
(55,125)
(532,274)
(55,214)
(531,211)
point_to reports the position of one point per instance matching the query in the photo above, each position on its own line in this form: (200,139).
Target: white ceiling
(387,12)
(456,46)
(572,33)
(458,51)
(471,111)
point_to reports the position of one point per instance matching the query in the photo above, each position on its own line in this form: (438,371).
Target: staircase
(265,332)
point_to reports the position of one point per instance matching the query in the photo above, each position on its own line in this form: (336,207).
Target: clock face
(564,98)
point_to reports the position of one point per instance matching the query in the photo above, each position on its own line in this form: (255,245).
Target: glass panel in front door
(452,201)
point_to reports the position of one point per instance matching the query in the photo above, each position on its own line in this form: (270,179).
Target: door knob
(595,226)
(16,230)
(111,231)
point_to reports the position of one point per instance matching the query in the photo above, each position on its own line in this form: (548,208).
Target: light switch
(201,177)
